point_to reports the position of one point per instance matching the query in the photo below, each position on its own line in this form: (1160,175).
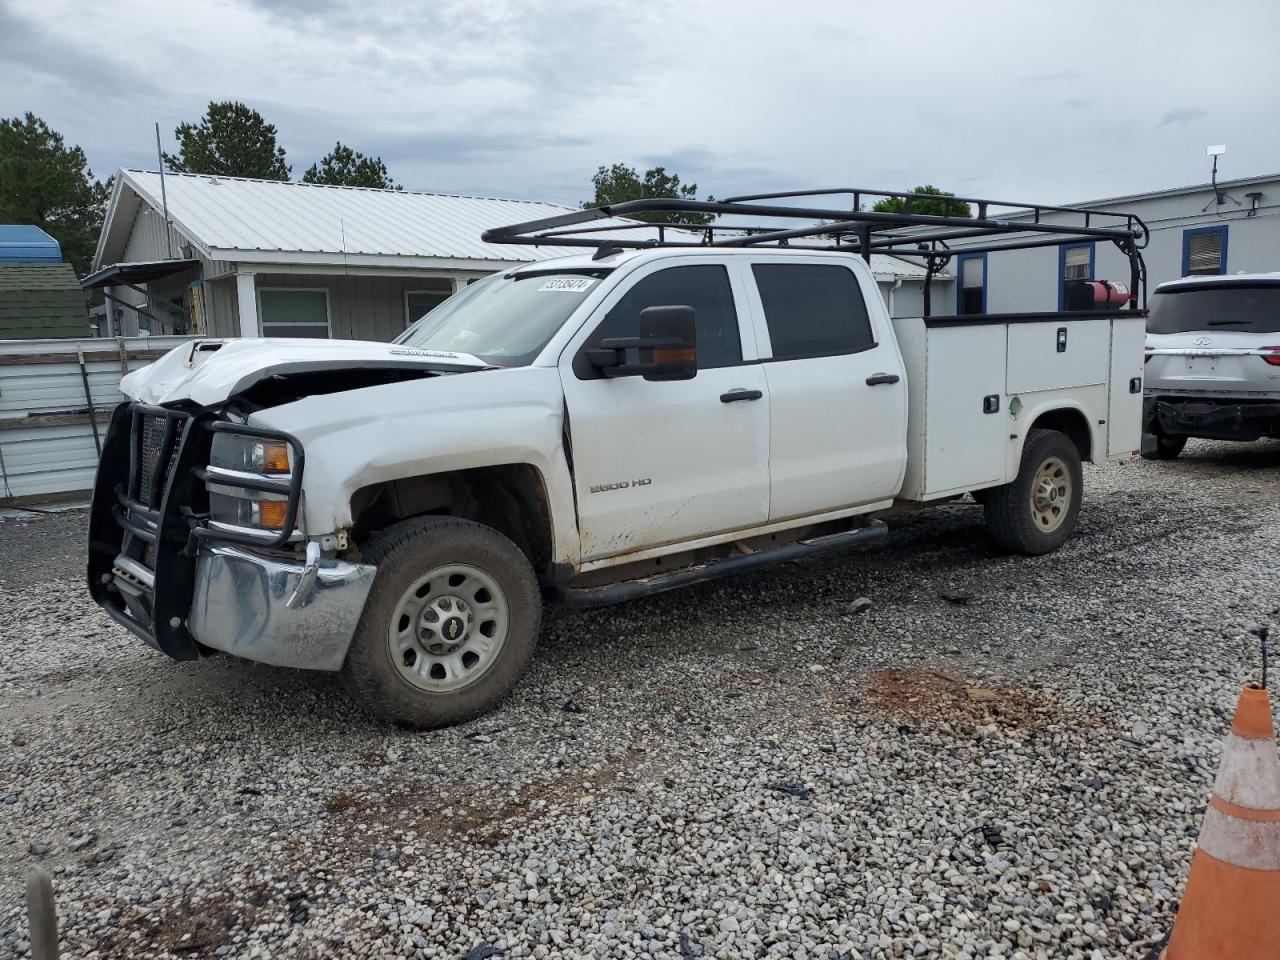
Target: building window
(429,295)
(1075,262)
(972,293)
(812,310)
(1204,252)
(293,313)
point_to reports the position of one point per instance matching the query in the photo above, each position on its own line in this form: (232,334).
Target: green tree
(47,183)
(620,182)
(231,140)
(344,167)
(929,206)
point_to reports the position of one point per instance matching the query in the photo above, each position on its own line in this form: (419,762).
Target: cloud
(1056,76)
(526,98)
(27,46)
(1181,116)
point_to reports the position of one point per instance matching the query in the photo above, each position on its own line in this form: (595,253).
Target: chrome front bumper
(276,612)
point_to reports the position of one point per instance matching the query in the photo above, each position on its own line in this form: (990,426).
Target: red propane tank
(1108,293)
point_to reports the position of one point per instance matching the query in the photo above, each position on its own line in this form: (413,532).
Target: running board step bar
(658,583)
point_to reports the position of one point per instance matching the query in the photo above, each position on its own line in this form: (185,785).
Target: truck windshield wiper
(1226,323)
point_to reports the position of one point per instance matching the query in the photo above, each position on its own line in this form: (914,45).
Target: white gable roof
(270,221)
(279,222)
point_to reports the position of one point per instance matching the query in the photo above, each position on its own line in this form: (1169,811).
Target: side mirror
(668,343)
(667,346)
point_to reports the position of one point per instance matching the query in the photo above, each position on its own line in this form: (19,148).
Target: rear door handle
(733,396)
(878,378)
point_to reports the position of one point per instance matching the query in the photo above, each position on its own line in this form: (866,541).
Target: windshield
(1234,307)
(505,319)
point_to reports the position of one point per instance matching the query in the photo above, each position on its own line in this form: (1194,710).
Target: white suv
(1212,361)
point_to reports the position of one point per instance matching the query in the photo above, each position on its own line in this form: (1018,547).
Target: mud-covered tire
(404,555)
(1167,448)
(1029,516)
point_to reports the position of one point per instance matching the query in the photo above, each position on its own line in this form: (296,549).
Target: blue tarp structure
(23,243)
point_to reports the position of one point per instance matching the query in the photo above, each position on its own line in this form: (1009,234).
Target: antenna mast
(164,196)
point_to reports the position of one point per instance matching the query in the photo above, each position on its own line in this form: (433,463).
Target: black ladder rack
(853,229)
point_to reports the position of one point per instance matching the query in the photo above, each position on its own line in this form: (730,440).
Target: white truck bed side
(977,386)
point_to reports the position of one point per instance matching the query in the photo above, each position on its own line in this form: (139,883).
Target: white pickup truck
(595,428)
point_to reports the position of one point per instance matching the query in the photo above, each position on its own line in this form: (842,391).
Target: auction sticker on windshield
(568,284)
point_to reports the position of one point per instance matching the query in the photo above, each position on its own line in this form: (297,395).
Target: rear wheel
(1037,512)
(1167,448)
(450,623)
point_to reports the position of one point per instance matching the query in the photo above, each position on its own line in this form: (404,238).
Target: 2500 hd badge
(621,485)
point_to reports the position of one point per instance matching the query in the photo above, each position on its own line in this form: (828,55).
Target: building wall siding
(222,317)
(360,307)
(147,242)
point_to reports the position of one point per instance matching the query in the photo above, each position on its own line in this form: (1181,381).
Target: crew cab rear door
(666,462)
(837,387)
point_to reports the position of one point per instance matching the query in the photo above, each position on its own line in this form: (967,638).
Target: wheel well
(1071,422)
(510,498)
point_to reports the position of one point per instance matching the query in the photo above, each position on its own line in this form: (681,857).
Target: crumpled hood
(208,372)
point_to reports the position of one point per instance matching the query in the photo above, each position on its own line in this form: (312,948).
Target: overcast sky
(1047,101)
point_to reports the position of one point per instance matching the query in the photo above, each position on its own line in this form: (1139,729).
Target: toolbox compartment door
(965,446)
(958,419)
(1124,406)
(1050,354)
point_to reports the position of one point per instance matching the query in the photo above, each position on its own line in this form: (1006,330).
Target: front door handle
(878,378)
(733,396)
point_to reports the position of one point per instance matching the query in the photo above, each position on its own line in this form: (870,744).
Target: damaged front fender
(370,435)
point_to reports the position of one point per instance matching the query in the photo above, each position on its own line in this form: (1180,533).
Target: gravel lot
(748,768)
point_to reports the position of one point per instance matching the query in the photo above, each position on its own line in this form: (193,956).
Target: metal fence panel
(47,448)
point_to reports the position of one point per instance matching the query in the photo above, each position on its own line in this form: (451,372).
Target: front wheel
(449,626)
(1037,512)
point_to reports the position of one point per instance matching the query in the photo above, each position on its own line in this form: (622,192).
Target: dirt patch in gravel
(400,815)
(929,698)
(188,927)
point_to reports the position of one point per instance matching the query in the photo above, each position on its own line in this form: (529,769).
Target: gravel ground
(756,767)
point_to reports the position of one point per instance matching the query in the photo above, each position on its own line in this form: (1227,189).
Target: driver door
(667,462)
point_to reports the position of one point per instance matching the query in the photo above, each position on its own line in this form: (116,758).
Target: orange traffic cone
(1231,908)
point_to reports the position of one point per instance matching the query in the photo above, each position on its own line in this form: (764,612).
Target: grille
(149,459)
(155,464)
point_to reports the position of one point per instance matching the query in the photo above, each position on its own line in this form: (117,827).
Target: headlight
(247,508)
(252,454)
(253,483)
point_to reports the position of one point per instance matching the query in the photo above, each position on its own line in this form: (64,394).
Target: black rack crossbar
(843,226)
(982,203)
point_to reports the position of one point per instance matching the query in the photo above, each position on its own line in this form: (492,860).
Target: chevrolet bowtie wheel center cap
(446,622)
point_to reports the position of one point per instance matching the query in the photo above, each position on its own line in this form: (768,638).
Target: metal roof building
(226,256)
